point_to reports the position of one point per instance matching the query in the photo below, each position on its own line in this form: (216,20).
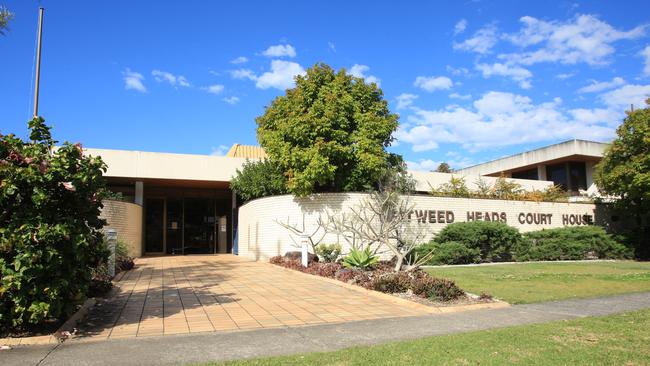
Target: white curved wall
(261,237)
(126,219)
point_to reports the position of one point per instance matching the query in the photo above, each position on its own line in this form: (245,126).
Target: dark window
(526,174)
(577,176)
(153,234)
(557,174)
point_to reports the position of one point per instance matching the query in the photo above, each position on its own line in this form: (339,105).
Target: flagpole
(38,60)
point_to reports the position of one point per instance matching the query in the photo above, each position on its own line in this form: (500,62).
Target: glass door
(154,215)
(174,242)
(199,231)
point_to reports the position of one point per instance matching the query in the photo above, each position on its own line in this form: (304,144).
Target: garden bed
(416,285)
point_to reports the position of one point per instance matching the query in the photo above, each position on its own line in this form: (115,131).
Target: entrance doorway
(185,226)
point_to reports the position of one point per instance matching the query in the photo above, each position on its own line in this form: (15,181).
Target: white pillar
(541,172)
(139,193)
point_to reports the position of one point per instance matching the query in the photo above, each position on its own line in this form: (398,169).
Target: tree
(443,168)
(259,179)
(383,220)
(5,17)
(50,238)
(329,133)
(624,170)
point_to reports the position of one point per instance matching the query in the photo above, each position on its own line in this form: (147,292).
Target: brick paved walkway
(190,294)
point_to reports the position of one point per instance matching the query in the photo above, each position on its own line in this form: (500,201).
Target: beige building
(183,203)
(569,164)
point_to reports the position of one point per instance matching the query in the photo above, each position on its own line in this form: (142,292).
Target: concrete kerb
(399,301)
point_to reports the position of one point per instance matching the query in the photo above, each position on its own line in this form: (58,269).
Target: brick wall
(126,219)
(261,237)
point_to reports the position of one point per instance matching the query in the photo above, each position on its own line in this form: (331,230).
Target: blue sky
(471,80)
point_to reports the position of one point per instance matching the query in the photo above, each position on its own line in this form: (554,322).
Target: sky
(471,81)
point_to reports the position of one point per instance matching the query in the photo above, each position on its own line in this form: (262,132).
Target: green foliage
(507,189)
(437,289)
(5,17)
(358,258)
(571,243)
(392,282)
(449,253)
(259,179)
(456,187)
(443,168)
(494,240)
(50,239)
(328,253)
(329,133)
(624,170)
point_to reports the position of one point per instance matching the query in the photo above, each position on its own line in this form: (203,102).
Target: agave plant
(360,258)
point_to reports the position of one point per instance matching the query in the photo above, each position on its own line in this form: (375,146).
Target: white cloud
(621,98)
(431,83)
(427,165)
(359,71)
(516,73)
(231,100)
(405,100)
(646,54)
(243,74)
(564,76)
(498,119)
(481,42)
(458,70)
(460,26)
(281,76)
(214,89)
(280,50)
(133,80)
(583,39)
(596,86)
(460,96)
(219,151)
(239,60)
(331,46)
(597,115)
(168,77)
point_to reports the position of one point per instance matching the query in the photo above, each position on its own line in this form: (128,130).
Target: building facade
(183,204)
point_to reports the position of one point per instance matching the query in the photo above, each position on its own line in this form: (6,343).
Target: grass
(612,340)
(535,282)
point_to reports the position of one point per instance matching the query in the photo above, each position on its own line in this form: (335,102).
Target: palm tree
(5,17)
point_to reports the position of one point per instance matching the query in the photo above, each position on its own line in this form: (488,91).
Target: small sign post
(304,247)
(111,238)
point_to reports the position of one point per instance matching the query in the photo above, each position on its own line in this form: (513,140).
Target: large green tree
(329,133)
(624,170)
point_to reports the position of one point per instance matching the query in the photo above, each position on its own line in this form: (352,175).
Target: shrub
(50,238)
(323,269)
(571,243)
(439,289)
(277,260)
(328,253)
(259,179)
(449,253)
(123,262)
(360,258)
(494,240)
(392,282)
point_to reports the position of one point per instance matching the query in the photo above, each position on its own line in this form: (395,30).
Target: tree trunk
(398,265)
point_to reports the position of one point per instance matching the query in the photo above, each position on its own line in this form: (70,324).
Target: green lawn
(535,282)
(612,340)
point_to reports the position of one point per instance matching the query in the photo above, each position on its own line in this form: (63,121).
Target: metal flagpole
(38,61)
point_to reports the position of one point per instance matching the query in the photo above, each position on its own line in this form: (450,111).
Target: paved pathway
(219,346)
(192,294)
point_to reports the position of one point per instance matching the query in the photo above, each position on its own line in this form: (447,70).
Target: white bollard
(111,238)
(305,253)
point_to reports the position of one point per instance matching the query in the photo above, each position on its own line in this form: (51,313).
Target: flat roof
(580,149)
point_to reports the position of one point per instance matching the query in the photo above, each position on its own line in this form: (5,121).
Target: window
(577,176)
(558,174)
(526,174)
